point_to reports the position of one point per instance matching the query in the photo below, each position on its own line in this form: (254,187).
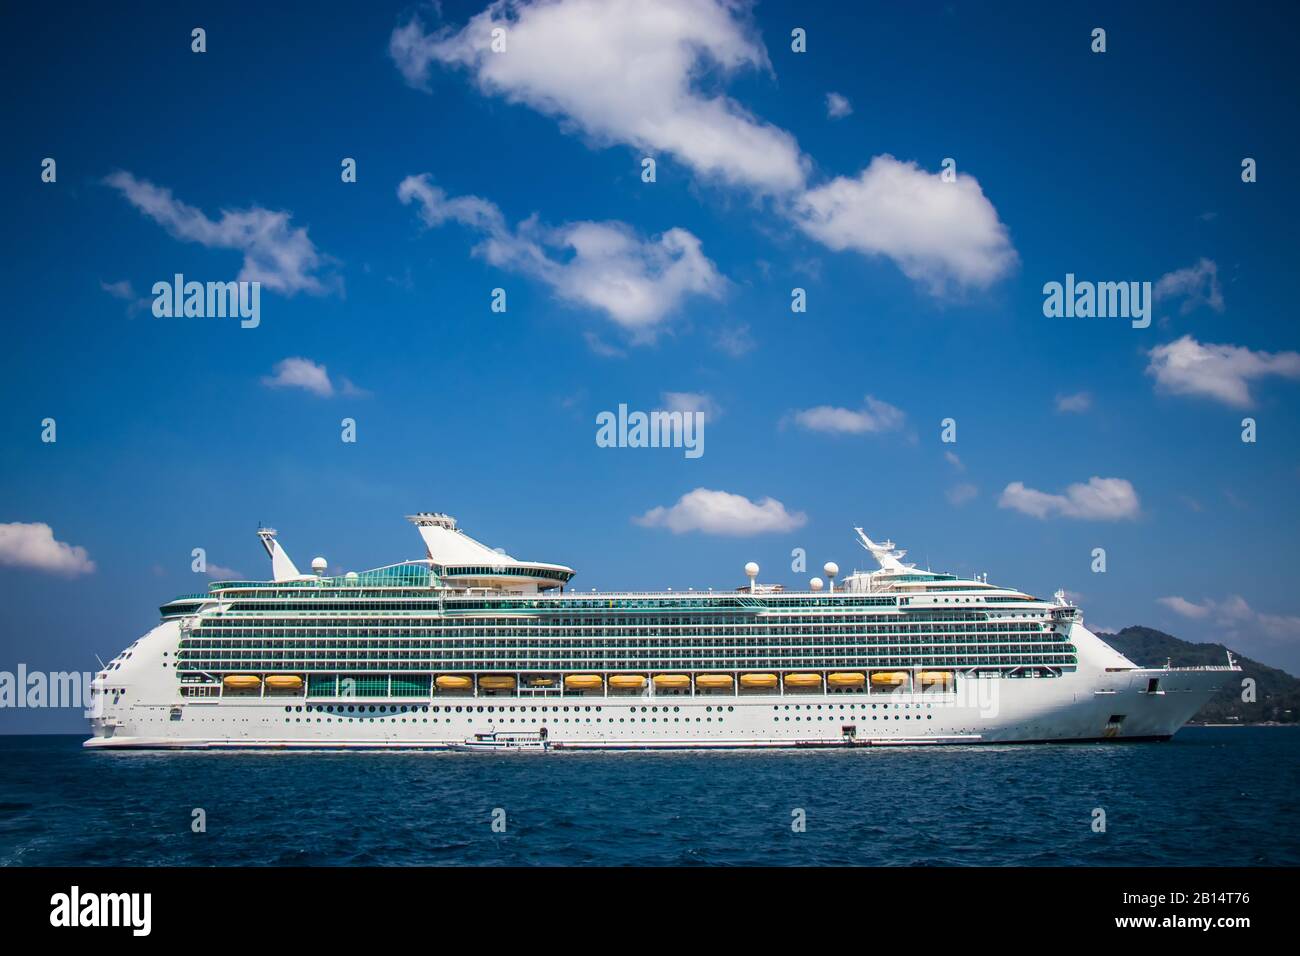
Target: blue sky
(924,295)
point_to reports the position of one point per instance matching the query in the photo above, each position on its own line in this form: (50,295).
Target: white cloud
(1221,372)
(691,402)
(838,106)
(33,545)
(874,416)
(124,290)
(736,340)
(1078,402)
(720,512)
(276,254)
(631,73)
(1235,616)
(953,459)
(622,72)
(1101,499)
(303,373)
(600,347)
(1195,285)
(219,572)
(958,495)
(1185,608)
(941,234)
(603,265)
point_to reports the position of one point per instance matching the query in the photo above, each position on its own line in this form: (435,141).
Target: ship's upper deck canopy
(453,559)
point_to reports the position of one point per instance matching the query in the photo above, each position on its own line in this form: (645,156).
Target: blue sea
(1211,796)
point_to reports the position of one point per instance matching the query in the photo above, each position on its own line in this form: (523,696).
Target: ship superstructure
(470,648)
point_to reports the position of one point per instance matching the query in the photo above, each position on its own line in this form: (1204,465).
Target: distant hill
(1277,693)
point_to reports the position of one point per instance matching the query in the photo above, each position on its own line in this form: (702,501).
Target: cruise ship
(468,648)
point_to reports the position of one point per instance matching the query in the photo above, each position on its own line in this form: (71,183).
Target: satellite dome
(816,584)
(351,576)
(831,569)
(751,570)
(319,565)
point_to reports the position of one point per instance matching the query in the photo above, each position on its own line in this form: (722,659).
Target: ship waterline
(469,648)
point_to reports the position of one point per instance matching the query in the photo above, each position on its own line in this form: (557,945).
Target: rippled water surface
(1211,796)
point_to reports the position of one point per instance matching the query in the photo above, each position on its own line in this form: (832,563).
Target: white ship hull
(1077,706)
(901,657)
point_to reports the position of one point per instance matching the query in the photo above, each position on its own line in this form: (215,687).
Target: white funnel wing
(282,566)
(448,545)
(883,553)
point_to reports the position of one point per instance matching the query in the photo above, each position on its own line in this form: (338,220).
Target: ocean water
(1211,796)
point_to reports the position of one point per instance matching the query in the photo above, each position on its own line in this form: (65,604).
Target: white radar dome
(831,569)
(319,565)
(751,570)
(816,584)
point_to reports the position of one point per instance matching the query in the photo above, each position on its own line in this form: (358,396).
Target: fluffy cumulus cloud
(941,234)
(606,266)
(33,545)
(621,71)
(1196,285)
(1100,499)
(303,373)
(1236,617)
(278,255)
(646,76)
(691,402)
(1221,372)
(838,105)
(1185,608)
(1078,402)
(722,513)
(873,416)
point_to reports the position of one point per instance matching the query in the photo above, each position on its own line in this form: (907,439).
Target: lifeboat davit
(242,681)
(803,680)
(284,681)
(583,681)
(672,681)
(757,680)
(889,679)
(496,682)
(713,680)
(846,680)
(453,682)
(627,681)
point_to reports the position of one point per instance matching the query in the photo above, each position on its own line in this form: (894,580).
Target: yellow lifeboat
(283,681)
(803,680)
(242,681)
(672,681)
(713,680)
(496,682)
(889,679)
(936,677)
(583,681)
(846,680)
(541,682)
(627,681)
(757,680)
(453,682)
